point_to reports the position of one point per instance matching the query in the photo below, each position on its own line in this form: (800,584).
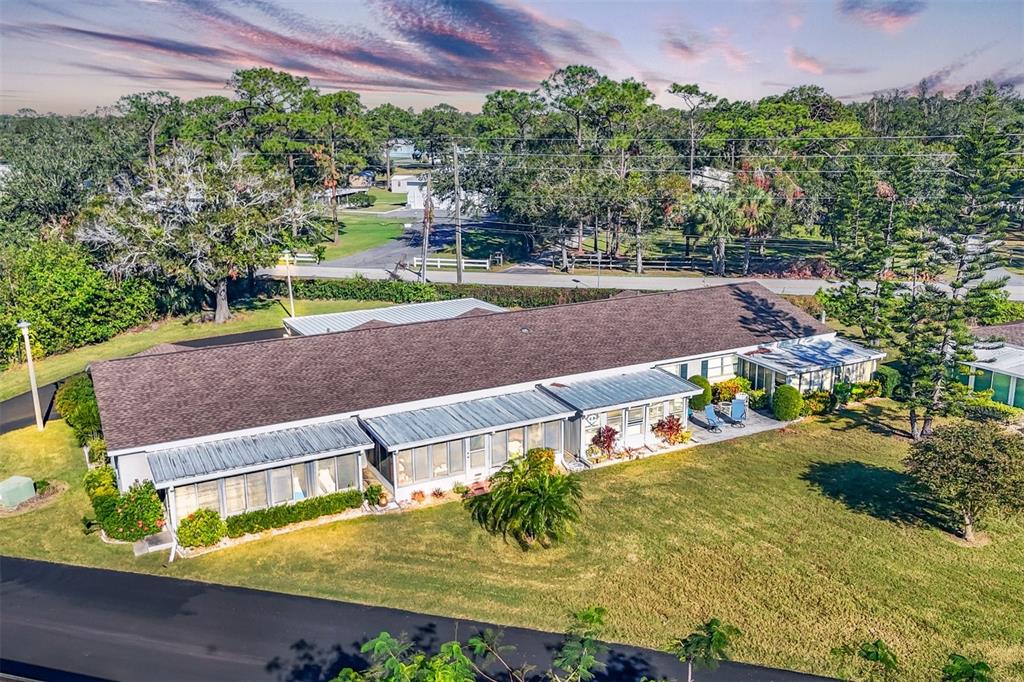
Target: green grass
(361,232)
(806,539)
(264,314)
(484,243)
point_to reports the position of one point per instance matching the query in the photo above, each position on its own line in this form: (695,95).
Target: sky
(69,57)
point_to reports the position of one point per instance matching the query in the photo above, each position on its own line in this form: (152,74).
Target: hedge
(787,403)
(76,402)
(401,291)
(889,378)
(201,528)
(698,402)
(129,516)
(285,514)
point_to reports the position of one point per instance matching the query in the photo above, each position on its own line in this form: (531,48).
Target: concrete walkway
(62,622)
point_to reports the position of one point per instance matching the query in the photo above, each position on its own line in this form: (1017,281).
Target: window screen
(421,463)
(256,490)
(553,435)
(326,480)
(478,452)
(535,436)
(280,485)
(348,471)
(300,485)
(208,495)
(499,448)
(438,460)
(185,500)
(234,495)
(404,464)
(456,456)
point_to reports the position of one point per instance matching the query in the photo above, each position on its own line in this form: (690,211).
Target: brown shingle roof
(158,398)
(164,348)
(1010,333)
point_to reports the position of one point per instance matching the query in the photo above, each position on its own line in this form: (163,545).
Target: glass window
(477,452)
(499,449)
(534,436)
(234,495)
(635,420)
(256,490)
(208,495)
(704,368)
(614,420)
(438,460)
(404,464)
(456,456)
(185,500)
(675,406)
(280,485)
(1001,388)
(326,478)
(348,471)
(553,435)
(1018,395)
(421,463)
(657,412)
(516,441)
(300,484)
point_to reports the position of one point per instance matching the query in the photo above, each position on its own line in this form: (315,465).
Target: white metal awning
(812,355)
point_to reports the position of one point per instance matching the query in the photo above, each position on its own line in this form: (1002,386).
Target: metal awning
(256,451)
(812,355)
(623,389)
(399,314)
(999,357)
(430,424)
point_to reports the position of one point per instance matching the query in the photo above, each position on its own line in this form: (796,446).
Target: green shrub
(400,291)
(201,528)
(816,402)
(787,403)
(862,390)
(888,378)
(41,486)
(757,398)
(725,391)
(136,514)
(283,515)
(373,493)
(979,406)
(698,402)
(100,481)
(76,402)
(360,200)
(843,392)
(97,450)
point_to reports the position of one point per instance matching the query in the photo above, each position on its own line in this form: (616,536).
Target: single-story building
(400,183)
(430,404)
(999,363)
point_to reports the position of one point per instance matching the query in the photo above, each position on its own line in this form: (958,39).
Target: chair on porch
(738,412)
(714,421)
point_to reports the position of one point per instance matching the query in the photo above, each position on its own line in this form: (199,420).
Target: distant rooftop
(999,357)
(1012,332)
(386,317)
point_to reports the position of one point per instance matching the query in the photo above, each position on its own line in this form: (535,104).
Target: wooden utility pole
(458,215)
(428,217)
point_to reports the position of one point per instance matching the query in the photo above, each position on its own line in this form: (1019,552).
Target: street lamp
(288,274)
(23,326)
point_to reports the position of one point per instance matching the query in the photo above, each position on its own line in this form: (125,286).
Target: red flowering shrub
(604,439)
(136,514)
(670,429)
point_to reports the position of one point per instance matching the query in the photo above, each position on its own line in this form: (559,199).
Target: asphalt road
(61,622)
(17,412)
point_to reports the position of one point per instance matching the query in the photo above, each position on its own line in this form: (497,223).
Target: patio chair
(738,412)
(714,421)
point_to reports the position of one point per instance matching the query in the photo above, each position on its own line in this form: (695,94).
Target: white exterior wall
(400,183)
(132,468)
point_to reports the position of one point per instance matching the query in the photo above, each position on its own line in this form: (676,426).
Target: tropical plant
(605,439)
(717,214)
(706,646)
(528,502)
(876,656)
(201,528)
(670,430)
(578,657)
(373,494)
(976,468)
(959,668)
(725,391)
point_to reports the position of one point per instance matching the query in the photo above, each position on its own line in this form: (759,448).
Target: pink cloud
(697,47)
(804,62)
(891,16)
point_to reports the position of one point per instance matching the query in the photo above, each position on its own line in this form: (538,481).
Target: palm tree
(706,646)
(718,215)
(529,502)
(959,668)
(754,208)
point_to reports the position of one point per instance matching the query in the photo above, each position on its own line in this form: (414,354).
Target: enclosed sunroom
(811,364)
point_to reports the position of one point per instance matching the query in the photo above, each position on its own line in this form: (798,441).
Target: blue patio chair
(738,412)
(714,422)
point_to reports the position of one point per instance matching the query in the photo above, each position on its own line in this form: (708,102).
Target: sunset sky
(72,56)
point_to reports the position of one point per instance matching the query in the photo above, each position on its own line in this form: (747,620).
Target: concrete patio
(756,422)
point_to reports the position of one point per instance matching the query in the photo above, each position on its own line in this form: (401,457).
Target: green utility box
(16,490)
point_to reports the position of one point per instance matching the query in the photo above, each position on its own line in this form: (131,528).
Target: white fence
(299,259)
(467,263)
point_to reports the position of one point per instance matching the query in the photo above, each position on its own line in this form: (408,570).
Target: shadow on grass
(879,419)
(881,492)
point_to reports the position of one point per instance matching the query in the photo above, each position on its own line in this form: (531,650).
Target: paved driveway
(66,622)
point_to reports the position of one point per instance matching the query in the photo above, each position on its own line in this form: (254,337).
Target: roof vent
(525,330)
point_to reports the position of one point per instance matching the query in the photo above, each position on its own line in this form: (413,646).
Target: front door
(635,431)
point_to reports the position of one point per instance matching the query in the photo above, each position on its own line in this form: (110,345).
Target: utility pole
(428,217)
(23,326)
(288,274)
(458,215)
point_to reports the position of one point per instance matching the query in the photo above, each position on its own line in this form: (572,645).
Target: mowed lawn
(252,316)
(806,539)
(360,232)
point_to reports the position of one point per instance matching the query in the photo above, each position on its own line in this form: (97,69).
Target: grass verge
(806,539)
(361,232)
